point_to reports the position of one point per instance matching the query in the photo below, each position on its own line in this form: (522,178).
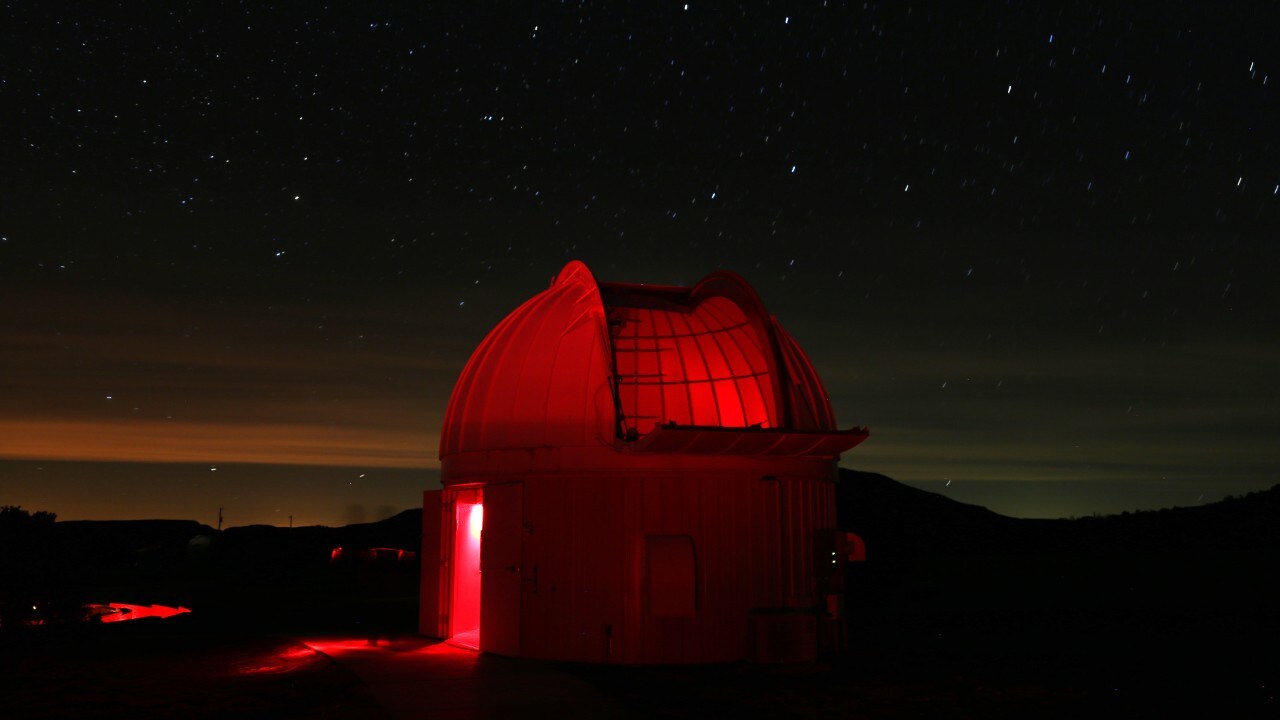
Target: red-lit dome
(636,474)
(612,364)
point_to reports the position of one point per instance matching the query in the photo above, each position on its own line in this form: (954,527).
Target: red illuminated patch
(119,612)
(469,525)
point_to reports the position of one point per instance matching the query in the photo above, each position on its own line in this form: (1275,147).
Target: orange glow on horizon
(165,441)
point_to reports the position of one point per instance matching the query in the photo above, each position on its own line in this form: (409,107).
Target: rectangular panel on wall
(429,618)
(501,567)
(671,572)
(576,570)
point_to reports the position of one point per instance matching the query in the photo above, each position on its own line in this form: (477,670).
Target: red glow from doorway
(465,611)
(339,647)
(284,661)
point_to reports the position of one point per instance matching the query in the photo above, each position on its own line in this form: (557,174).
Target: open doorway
(468,526)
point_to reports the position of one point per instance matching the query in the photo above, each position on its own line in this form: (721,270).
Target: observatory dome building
(636,474)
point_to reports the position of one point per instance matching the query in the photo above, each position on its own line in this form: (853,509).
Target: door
(431,563)
(501,551)
(467,514)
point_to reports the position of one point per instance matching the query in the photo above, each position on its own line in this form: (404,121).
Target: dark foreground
(1147,664)
(1005,665)
(173,669)
(958,613)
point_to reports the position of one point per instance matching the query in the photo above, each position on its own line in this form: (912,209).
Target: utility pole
(290,522)
(219,519)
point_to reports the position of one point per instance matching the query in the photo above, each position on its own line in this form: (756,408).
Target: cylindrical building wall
(648,565)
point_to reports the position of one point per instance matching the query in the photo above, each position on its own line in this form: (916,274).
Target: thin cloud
(151,441)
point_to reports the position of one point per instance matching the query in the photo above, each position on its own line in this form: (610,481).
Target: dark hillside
(1136,603)
(289,578)
(900,523)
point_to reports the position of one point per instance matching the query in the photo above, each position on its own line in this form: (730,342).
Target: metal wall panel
(583,591)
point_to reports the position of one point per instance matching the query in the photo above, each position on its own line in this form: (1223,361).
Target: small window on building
(671,572)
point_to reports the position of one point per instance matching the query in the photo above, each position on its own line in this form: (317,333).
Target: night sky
(246,248)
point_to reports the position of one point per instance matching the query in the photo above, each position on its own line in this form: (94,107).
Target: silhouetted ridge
(123,548)
(403,530)
(898,521)
(1247,522)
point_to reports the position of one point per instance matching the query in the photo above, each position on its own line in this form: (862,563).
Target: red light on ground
(119,612)
(284,661)
(460,657)
(334,647)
